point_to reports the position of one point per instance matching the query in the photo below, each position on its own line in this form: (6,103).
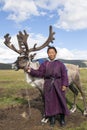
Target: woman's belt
(50,77)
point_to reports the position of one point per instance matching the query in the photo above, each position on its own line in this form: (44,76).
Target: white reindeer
(26,59)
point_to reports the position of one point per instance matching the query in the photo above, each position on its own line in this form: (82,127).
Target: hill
(4,66)
(80,63)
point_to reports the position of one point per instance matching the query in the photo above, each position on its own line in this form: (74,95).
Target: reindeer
(25,58)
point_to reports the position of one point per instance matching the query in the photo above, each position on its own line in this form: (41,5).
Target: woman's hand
(63,88)
(27,69)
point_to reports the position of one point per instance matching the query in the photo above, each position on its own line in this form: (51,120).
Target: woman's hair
(51,47)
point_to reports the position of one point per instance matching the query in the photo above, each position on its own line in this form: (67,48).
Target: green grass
(9,79)
(11,82)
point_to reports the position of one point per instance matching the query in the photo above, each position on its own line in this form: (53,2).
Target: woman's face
(51,54)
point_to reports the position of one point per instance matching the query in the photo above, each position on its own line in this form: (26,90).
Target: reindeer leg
(75,91)
(78,84)
(84,101)
(73,109)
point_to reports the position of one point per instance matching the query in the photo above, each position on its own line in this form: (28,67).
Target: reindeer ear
(35,54)
(32,56)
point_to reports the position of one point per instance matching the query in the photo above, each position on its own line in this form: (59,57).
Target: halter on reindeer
(26,59)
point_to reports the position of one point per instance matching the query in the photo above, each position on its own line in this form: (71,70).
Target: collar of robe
(52,60)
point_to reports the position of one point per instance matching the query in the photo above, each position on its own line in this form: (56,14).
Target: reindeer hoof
(44,120)
(85,113)
(73,109)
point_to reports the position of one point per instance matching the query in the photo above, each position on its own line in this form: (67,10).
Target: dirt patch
(11,118)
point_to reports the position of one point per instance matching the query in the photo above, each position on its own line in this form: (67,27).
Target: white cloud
(79,54)
(41,54)
(72,14)
(36,39)
(64,53)
(6,55)
(49,4)
(20,10)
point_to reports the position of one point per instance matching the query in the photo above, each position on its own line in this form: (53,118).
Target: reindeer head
(24,51)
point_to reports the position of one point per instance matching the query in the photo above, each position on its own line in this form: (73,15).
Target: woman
(56,81)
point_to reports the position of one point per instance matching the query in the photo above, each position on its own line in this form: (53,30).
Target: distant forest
(80,63)
(5,66)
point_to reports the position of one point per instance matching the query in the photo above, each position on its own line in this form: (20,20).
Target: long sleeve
(39,72)
(64,75)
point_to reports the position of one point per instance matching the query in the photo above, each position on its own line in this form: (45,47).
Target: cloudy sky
(68,18)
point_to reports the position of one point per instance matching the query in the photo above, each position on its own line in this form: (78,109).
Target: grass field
(11,82)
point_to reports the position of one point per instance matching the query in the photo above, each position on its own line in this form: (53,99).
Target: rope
(28,99)
(29,106)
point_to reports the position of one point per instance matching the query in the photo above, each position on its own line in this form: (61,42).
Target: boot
(62,120)
(52,121)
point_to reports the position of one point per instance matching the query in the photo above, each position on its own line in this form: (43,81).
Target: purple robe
(55,75)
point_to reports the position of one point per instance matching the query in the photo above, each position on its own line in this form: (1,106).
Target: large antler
(8,44)
(22,41)
(50,39)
